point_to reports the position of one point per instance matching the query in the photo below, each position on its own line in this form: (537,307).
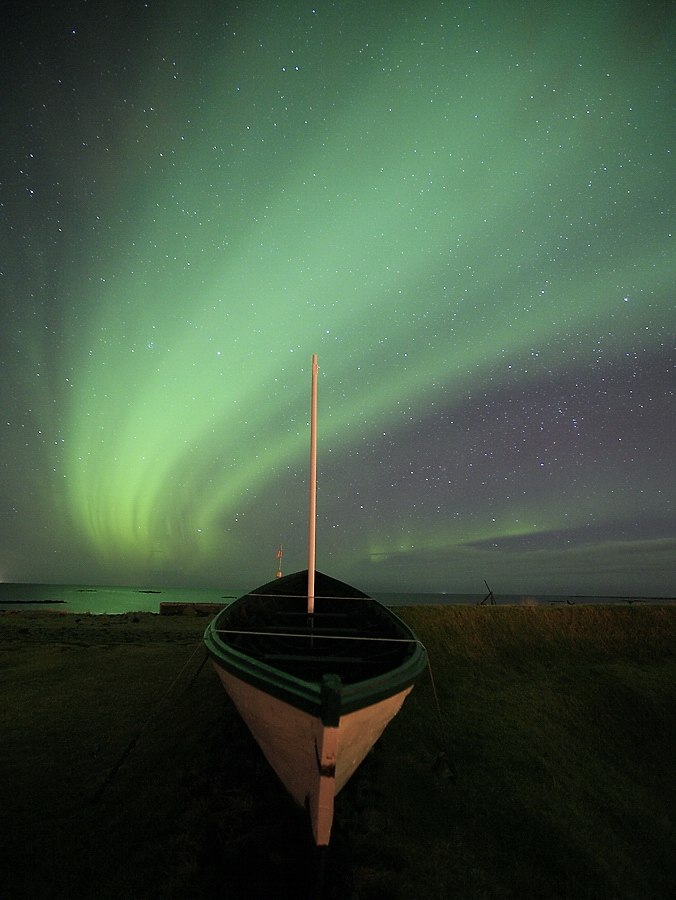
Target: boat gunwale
(305,694)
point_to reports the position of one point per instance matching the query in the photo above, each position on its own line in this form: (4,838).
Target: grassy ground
(126,773)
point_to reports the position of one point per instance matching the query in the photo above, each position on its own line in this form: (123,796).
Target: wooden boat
(316,669)
(316,692)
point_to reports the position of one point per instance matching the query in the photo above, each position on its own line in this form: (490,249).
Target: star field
(466,210)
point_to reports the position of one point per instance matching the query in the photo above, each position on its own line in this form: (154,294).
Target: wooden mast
(313,492)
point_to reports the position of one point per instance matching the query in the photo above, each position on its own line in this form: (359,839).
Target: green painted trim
(307,695)
(332,691)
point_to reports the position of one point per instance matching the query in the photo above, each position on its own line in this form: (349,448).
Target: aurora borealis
(466,210)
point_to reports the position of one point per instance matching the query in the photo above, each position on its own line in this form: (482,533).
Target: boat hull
(314,761)
(316,695)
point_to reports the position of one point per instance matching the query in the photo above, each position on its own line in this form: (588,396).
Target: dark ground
(126,772)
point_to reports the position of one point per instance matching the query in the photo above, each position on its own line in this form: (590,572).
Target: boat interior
(349,634)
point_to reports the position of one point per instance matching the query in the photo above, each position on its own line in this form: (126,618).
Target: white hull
(314,761)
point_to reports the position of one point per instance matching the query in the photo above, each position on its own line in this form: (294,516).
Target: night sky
(467,210)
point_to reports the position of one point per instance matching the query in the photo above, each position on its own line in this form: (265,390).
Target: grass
(558,726)
(560,723)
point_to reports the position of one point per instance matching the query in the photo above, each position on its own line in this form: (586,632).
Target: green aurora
(467,212)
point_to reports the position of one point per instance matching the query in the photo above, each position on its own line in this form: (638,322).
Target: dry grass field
(126,772)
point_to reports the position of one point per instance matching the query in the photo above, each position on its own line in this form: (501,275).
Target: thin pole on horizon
(313,492)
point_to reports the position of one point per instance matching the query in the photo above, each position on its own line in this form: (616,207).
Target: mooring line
(436,700)
(113,772)
(201,666)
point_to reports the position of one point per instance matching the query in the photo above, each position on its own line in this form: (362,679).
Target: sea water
(118,600)
(79,598)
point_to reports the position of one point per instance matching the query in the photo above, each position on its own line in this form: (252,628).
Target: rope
(113,772)
(323,637)
(436,700)
(201,666)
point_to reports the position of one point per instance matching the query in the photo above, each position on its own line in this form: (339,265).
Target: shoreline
(211,607)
